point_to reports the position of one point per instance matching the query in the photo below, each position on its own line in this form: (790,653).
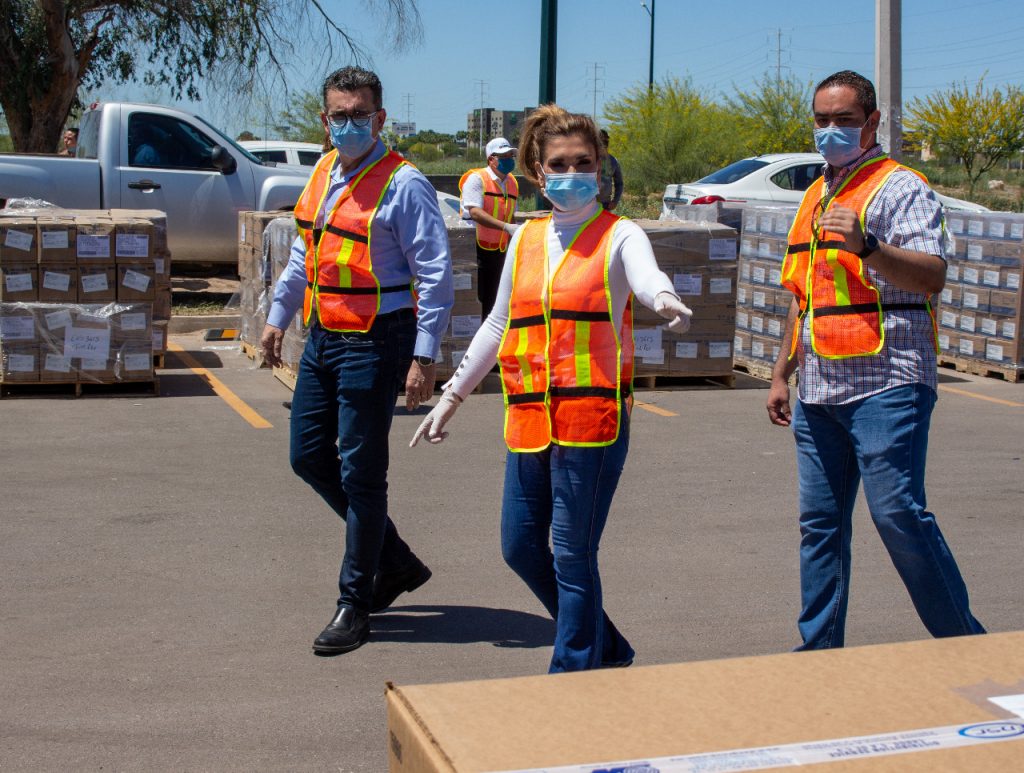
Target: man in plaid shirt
(865,254)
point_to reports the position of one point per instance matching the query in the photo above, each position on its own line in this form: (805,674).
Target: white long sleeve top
(633,269)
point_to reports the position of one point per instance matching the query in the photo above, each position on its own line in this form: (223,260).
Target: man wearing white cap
(489,197)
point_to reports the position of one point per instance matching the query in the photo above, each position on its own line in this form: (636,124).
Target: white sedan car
(779,178)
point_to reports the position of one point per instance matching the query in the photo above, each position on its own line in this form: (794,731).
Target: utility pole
(889,74)
(650,62)
(596,67)
(407,98)
(778,56)
(483,86)
(548,50)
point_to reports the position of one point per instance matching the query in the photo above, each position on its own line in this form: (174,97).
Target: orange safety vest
(340,284)
(499,204)
(566,364)
(831,284)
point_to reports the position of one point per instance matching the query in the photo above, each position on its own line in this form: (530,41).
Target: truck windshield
(227,140)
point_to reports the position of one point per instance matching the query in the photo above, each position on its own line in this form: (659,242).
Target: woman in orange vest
(562,332)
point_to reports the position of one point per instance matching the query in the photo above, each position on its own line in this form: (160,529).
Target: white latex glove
(671,308)
(433,425)
(511,228)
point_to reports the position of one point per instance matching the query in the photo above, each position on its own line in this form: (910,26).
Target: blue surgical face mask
(351,140)
(840,145)
(506,165)
(570,190)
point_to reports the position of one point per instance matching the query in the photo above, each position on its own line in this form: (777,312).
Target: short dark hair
(73,130)
(353,78)
(861,86)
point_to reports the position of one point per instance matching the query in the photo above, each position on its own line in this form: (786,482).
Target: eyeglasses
(819,210)
(359,120)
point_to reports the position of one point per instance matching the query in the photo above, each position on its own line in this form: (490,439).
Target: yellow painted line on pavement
(237,403)
(965,393)
(654,409)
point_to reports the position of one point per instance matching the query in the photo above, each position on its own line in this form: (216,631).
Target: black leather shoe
(347,631)
(388,586)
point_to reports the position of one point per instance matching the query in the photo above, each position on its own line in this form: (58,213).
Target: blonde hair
(549,121)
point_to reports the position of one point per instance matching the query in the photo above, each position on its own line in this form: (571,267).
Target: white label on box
(137,362)
(748,246)
(722,249)
(686,350)
(967,347)
(971,275)
(775,277)
(133,321)
(647,345)
(956,225)
(989,326)
(946,295)
(997,229)
(89,343)
(53,280)
(462,281)
(742,320)
(943,341)
(758,274)
(18,283)
(975,252)
(55,363)
(990,278)
(994,352)
(741,295)
(967,323)
(158,265)
(719,350)
(783,223)
(976,227)
(948,318)
(759,299)
(757,349)
(20,363)
(953,273)
(687,284)
(720,286)
(91,246)
(55,240)
(1013,281)
(1017,231)
(158,340)
(765,224)
(94,283)
(465,326)
(1012,703)
(970,300)
(55,320)
(94,364)
(457,355)
(135,280)
(241,231)
(764,249)
(775,327)
(18,240)
(757,323)
(132,245)
(1009,329)
(91,319)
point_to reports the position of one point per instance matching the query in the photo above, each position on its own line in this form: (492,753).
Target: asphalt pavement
(165,572)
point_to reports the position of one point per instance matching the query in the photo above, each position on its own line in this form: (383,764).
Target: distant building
(491,123)
(403,129)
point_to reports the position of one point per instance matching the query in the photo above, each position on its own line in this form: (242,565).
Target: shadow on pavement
(453,624)
(184,385)
(209,360)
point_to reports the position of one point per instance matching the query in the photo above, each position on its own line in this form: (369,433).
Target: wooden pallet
(756,368)
(74,389)
(286,376)
(726,380)
(159,360)
(254,354)
(1012,373)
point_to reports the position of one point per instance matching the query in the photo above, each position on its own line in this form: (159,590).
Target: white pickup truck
(135,156)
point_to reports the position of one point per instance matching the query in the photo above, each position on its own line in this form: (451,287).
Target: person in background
(369,226)
(489,198)
(610,190)
(70,139)
(562,332)
(865,255)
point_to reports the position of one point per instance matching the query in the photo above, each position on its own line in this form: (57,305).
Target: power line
(483,87)
(407,98)
(598,73)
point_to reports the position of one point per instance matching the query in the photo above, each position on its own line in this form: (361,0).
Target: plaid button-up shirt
(906,214)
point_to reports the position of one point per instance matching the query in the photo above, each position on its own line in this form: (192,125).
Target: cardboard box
(160,336)
(686,244)
(136,282)
(19,363)
(57,235)
(19,240)
(97,283)
(58,283)
(94,242)
(19,282)
(55,368)
(133,361)
(951,697)
(132,323)
(134,239)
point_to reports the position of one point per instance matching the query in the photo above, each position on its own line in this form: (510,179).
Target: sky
(477,52)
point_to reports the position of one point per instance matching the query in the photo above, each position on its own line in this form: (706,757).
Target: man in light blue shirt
(348,380)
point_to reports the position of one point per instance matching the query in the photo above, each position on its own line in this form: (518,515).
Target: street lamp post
(650,67)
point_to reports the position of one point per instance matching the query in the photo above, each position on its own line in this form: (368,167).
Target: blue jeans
(565,492)
(341,416)
(882,440)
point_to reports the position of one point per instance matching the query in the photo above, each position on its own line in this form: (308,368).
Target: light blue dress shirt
(409,239)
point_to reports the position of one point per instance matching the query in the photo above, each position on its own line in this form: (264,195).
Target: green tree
(300,121)
(670,133)
(775,116)
(978,127)
(50,49)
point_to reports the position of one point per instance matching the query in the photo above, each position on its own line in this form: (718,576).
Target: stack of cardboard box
(981,306)
(84,294)
(262,255)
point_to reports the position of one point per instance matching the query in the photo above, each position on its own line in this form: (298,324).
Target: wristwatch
(870,245)
(423,361)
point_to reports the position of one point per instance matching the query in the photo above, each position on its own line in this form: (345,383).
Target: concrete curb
(190,324)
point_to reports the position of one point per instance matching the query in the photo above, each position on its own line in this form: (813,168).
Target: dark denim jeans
(565,492)
(882,440)
(341,416)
